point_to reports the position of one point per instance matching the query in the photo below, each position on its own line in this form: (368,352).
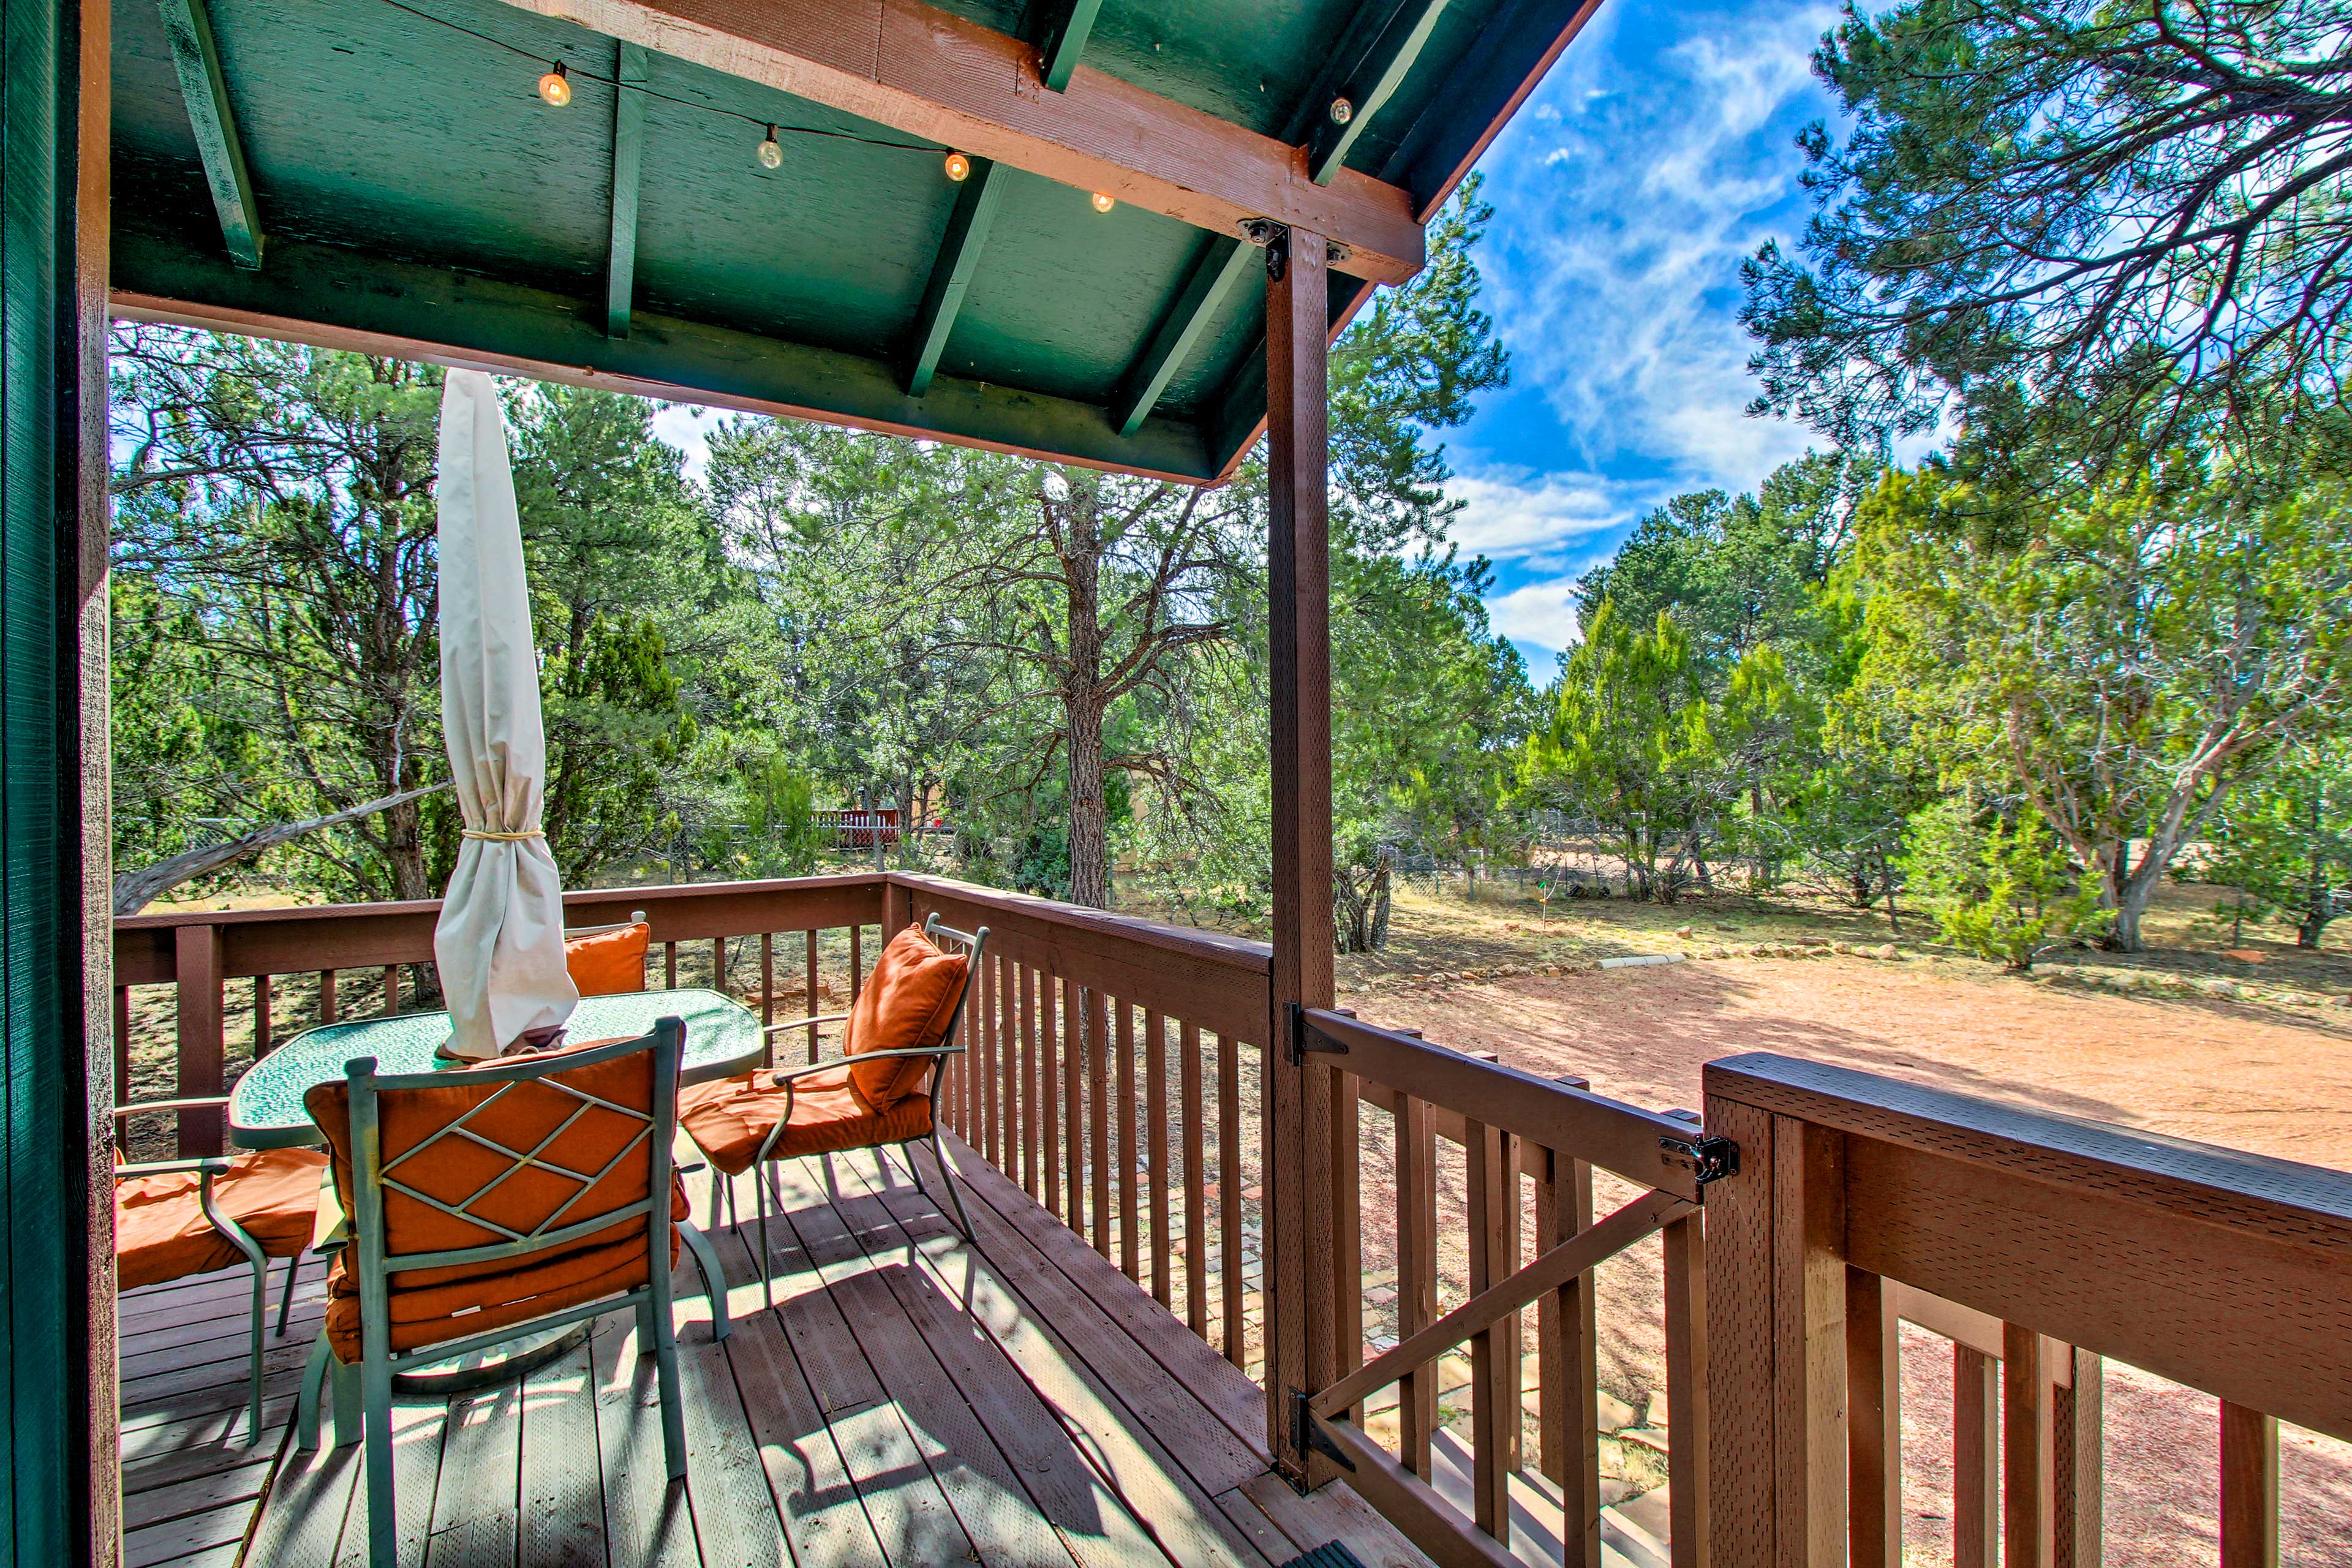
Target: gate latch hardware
(1306,1434)
(1708,1159)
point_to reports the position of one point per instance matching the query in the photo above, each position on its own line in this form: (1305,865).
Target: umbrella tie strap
(505,837)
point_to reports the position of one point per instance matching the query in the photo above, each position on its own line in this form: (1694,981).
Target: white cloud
(687,426)
(1509,515)
(1615,256)
(1543,614)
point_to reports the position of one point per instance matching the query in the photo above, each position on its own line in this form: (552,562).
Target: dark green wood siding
(44,1178)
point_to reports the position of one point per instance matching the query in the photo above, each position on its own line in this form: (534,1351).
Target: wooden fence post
(1775,1345)
(1301,1349)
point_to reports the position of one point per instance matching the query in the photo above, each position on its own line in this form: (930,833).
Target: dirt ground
(2249,1077)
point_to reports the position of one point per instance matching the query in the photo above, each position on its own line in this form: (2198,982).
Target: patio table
(265,1110)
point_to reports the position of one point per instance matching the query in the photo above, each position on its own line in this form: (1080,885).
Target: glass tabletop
(265,1110)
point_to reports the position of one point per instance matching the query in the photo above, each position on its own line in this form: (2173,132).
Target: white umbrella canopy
(499,941)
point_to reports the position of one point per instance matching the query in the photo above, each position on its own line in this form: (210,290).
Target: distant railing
(2038,1244)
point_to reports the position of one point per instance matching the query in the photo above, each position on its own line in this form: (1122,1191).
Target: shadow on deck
(908,1400)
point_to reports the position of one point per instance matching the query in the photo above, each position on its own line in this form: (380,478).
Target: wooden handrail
(1615,1136)
(2038,1242)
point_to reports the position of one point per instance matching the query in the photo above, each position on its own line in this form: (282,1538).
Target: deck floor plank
(1047,1337)
(912,1399)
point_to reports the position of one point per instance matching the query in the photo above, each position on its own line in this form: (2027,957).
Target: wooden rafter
(952,270)
(196,58)
(1484,89)
(1378,55)
(628,161)
(1063,39)
(927,73)
(1213,279)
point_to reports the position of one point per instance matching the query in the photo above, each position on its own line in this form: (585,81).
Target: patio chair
(177,1218)
(608,960)
(491,1204)
(899,1036)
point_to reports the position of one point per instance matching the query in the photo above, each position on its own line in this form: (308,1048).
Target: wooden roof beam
(951,272)
(1388,36)
(1225,264)
(927,73)
(1063,39)
(196,58)
(1478,99)
(628,163)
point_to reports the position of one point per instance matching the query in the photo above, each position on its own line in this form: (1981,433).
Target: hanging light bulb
(1103,203)
(556,87)
(771,155)
(958,167)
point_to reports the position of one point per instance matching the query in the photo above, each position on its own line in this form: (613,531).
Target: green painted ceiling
(411,183)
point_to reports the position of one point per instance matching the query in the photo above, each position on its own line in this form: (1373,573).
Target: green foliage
(2285,841)
(2122,656)
(1628,739)
(2002,888)
(2138,214)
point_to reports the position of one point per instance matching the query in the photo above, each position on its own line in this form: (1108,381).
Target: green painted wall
(44,1177)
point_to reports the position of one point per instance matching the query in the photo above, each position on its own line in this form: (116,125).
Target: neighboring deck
(909,1401)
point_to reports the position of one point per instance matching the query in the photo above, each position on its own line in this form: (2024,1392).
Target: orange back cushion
(907,1004)
(611,961)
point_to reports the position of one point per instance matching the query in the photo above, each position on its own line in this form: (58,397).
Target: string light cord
(620,86)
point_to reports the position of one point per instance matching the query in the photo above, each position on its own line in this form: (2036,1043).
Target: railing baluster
(1874,1378)
(992,1090)
(1346,1230)
(1099,1096)
(391,989)
(327,1010)
(719,964)
(856,963)
(1049,1084)
(2250,1533)
(1689,1490)
(2080,1416)
(1156,1156)
(1483,1150)
(1229,1196)
(1196,1184)
(121,1061)
(669,966)
(261,999)
(1976,1459)
(1008,1048)
(1130,1257)
(1568,1359)
(2029,1503)
(810,1000)
(1032,1103)
(768,984)
(1416,1286)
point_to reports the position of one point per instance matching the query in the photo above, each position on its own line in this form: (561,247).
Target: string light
(1103,203)
(556,87)
(959,166)
(771,155)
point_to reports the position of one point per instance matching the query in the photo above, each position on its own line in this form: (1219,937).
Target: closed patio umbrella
(499,942)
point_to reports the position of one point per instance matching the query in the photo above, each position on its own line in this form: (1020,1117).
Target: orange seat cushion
(610,962)
(160,1232)
(454,1301)
(907,1004)
(728,1120)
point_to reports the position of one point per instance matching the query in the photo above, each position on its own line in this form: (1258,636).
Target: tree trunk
(1090,829)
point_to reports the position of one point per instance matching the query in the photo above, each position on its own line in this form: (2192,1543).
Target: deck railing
(2038,1244)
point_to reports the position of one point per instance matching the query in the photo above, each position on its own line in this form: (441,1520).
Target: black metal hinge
(1708,1159)
(1306,1435)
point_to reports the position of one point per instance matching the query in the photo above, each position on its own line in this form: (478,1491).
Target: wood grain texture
(2078,1420)
(1690,1465)
(1976,1458)
(2249,1480)
(1739,1342)
(931,74)
(2029,1459)
(1874,1357)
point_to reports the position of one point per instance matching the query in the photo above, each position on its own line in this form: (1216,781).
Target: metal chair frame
(974,943)
(208,1167)
(372,1176)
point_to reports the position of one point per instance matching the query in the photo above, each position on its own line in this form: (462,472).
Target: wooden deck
(910,1400)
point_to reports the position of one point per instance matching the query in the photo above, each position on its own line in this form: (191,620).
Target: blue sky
(1656,156)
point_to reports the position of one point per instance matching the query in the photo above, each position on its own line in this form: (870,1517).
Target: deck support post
(61,1478)
(1302,1353)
